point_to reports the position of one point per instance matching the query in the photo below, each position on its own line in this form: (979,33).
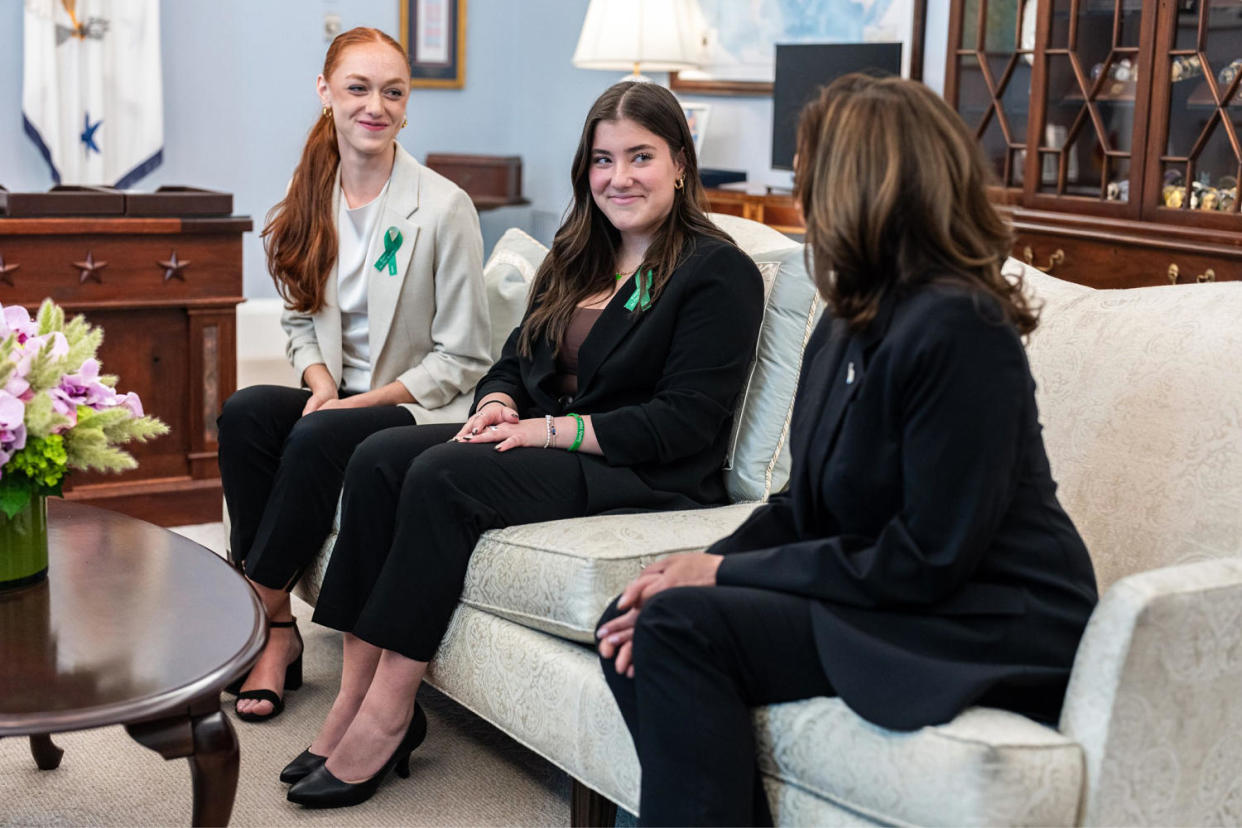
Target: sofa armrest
(1155,698)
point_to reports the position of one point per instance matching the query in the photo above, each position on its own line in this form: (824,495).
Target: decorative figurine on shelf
(1118,190)
(1226,193)
(1226,75)
(1209,199)
(1173,194)
(1197,189)
(1120,74)
(1185,67)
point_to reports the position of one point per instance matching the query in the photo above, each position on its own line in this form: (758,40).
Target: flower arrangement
(57,412)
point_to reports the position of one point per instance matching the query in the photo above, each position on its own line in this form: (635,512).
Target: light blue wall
(239,97)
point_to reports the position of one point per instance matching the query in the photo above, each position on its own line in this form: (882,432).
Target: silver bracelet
(551,424)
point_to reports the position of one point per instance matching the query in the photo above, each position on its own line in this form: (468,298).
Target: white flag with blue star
(92,90)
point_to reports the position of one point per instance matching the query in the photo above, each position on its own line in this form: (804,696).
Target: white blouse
(357,228)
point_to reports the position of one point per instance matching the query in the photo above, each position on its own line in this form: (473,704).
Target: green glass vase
(23,545)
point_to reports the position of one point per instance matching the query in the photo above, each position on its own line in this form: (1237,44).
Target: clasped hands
(501,425)
(328,401)
(616,638)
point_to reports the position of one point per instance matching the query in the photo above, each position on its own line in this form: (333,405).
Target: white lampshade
(656,35)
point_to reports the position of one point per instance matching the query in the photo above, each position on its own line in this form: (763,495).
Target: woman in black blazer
(617,391)
(919,562)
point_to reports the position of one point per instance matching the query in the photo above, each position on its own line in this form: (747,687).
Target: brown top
(567,356)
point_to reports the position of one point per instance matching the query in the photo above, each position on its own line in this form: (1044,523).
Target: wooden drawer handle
(1173,274)
(1057,257)
(1208,275)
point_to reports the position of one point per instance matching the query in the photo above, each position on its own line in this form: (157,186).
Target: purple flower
(15,320)
(82,388)
(12,426)
(17,383)
(131,402)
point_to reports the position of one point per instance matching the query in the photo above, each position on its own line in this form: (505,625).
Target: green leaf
(13,499)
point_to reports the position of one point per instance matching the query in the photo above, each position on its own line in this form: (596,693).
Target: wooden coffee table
(135,626)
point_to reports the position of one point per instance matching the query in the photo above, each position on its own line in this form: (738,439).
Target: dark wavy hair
(893,188)
(583,255)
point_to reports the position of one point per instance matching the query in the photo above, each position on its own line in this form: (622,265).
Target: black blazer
(922,516)
(660,384)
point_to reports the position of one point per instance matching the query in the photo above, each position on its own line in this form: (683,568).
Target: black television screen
(801,69)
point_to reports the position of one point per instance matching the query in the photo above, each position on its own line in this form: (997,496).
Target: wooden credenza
(165,292)
(756,202)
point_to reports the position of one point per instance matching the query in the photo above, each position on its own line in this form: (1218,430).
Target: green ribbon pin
(392,241)
(641,295)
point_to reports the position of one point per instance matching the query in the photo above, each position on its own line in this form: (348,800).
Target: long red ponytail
(299,237)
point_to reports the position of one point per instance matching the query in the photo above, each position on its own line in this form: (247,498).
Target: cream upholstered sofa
(1142,404)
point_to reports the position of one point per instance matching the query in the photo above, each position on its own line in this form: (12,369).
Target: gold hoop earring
(405,122)
(680,182)
(327,112)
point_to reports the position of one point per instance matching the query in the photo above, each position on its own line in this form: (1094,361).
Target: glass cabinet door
(1200,113)
(989,79)
(1094,102)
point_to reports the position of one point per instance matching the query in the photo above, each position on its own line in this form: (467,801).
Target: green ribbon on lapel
(392,242)
(641,295)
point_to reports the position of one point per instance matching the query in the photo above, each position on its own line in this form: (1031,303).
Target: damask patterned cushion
(507,275)
(1139,395)
(558,576)
(986,767)
(758,460)
(820,761)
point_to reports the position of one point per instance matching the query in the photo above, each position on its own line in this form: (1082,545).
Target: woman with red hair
(379,261)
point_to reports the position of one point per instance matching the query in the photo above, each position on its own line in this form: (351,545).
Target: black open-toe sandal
(293,680)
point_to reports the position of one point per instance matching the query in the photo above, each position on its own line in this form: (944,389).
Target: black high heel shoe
(293,680)
(301,766)
(320,789)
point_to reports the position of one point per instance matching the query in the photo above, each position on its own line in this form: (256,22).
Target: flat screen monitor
(801,69)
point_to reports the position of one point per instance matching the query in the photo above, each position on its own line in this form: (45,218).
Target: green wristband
(581,432)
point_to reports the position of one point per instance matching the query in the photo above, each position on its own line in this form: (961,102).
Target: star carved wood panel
(169,336)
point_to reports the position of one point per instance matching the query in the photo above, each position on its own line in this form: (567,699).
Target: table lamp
(655,35)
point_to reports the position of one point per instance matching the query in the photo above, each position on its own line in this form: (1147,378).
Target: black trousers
(282,474)
(703,657)
(415,505)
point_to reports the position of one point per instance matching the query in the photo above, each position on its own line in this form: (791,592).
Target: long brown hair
(299,237)
(583,255)
(893,188)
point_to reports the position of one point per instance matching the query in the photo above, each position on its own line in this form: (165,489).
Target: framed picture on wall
(739,40)
(696,118)
(434,33)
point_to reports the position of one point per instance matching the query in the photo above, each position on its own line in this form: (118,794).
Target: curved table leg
(209,742)
(213,769)
(45,753)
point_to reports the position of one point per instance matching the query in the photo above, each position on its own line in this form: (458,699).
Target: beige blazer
(429,327)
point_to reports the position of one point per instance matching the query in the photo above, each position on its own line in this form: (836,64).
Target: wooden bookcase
(1112,127)
(165,291)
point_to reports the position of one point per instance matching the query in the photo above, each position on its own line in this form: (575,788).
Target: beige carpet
(465,773)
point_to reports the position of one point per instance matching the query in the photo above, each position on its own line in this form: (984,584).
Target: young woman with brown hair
(617,391)
(379,261)
(919,562)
